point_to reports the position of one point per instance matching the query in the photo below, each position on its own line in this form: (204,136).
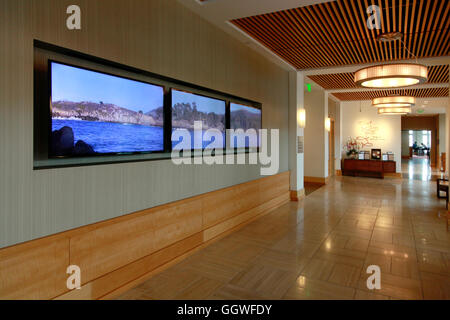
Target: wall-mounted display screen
(245,117)
(188,108)
(94,113)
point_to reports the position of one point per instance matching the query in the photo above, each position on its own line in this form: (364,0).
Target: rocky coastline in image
(105,112)
(63,144)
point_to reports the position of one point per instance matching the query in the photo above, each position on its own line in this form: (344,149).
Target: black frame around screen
(165,82)
(50,124)
(260,125)
(226,121)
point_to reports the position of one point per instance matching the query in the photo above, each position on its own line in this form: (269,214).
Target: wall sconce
(328,124)
(301,118)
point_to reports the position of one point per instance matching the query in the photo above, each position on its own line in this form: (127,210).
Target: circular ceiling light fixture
(394,101)
(391,75)
(394,111)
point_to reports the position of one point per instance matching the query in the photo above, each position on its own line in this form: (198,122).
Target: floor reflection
(419,169)
(321,248)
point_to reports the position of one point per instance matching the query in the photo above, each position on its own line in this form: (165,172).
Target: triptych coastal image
(95,113)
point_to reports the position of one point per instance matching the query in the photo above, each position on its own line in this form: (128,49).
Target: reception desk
(367,168)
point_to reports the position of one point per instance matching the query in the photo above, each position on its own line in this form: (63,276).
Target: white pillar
(447,138)
(296,160)
(316,137)
(340,145)
(327,134)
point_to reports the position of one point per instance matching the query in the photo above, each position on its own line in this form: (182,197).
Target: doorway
(420,147)
(417,150)
(420,143)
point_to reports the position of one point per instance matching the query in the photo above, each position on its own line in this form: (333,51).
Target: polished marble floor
(321,247)
(419,169)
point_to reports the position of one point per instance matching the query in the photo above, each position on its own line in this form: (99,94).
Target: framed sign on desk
(376,154)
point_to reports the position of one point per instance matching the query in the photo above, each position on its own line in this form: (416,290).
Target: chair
(442,186)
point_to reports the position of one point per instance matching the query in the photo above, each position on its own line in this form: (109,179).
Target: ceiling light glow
(394,111)
(394,101)
(391,75)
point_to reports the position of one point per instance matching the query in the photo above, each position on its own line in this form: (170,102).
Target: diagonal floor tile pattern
(320,248)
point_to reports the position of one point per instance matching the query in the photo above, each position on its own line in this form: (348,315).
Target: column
(296,156)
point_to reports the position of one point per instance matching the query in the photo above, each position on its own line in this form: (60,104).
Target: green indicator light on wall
(308,87)
(420,111)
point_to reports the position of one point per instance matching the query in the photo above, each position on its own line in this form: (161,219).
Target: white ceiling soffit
(220,12)
(430,105)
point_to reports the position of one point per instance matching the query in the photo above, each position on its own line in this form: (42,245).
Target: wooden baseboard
(316,180)
(120,253)
(297,195)
(339,173)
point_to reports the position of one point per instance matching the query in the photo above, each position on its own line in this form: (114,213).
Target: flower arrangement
(352,147)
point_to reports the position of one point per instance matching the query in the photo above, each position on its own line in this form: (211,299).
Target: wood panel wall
(123,251)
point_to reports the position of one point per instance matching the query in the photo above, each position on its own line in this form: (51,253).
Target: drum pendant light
(394,101)
(392,75)
(394,111)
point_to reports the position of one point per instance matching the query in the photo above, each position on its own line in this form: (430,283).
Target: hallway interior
(320,248)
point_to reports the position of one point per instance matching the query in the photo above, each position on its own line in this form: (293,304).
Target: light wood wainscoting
(116,254)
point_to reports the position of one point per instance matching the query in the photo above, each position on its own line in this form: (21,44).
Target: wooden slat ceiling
(335,33)
(436,74)
(368,95)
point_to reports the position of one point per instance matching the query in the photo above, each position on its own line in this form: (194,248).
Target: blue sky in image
(204,104)
(78,85)
(237,107)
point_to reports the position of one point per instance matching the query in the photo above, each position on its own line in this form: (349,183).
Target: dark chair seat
(443,186)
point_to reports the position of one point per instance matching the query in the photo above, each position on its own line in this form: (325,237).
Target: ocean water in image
(107,137)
